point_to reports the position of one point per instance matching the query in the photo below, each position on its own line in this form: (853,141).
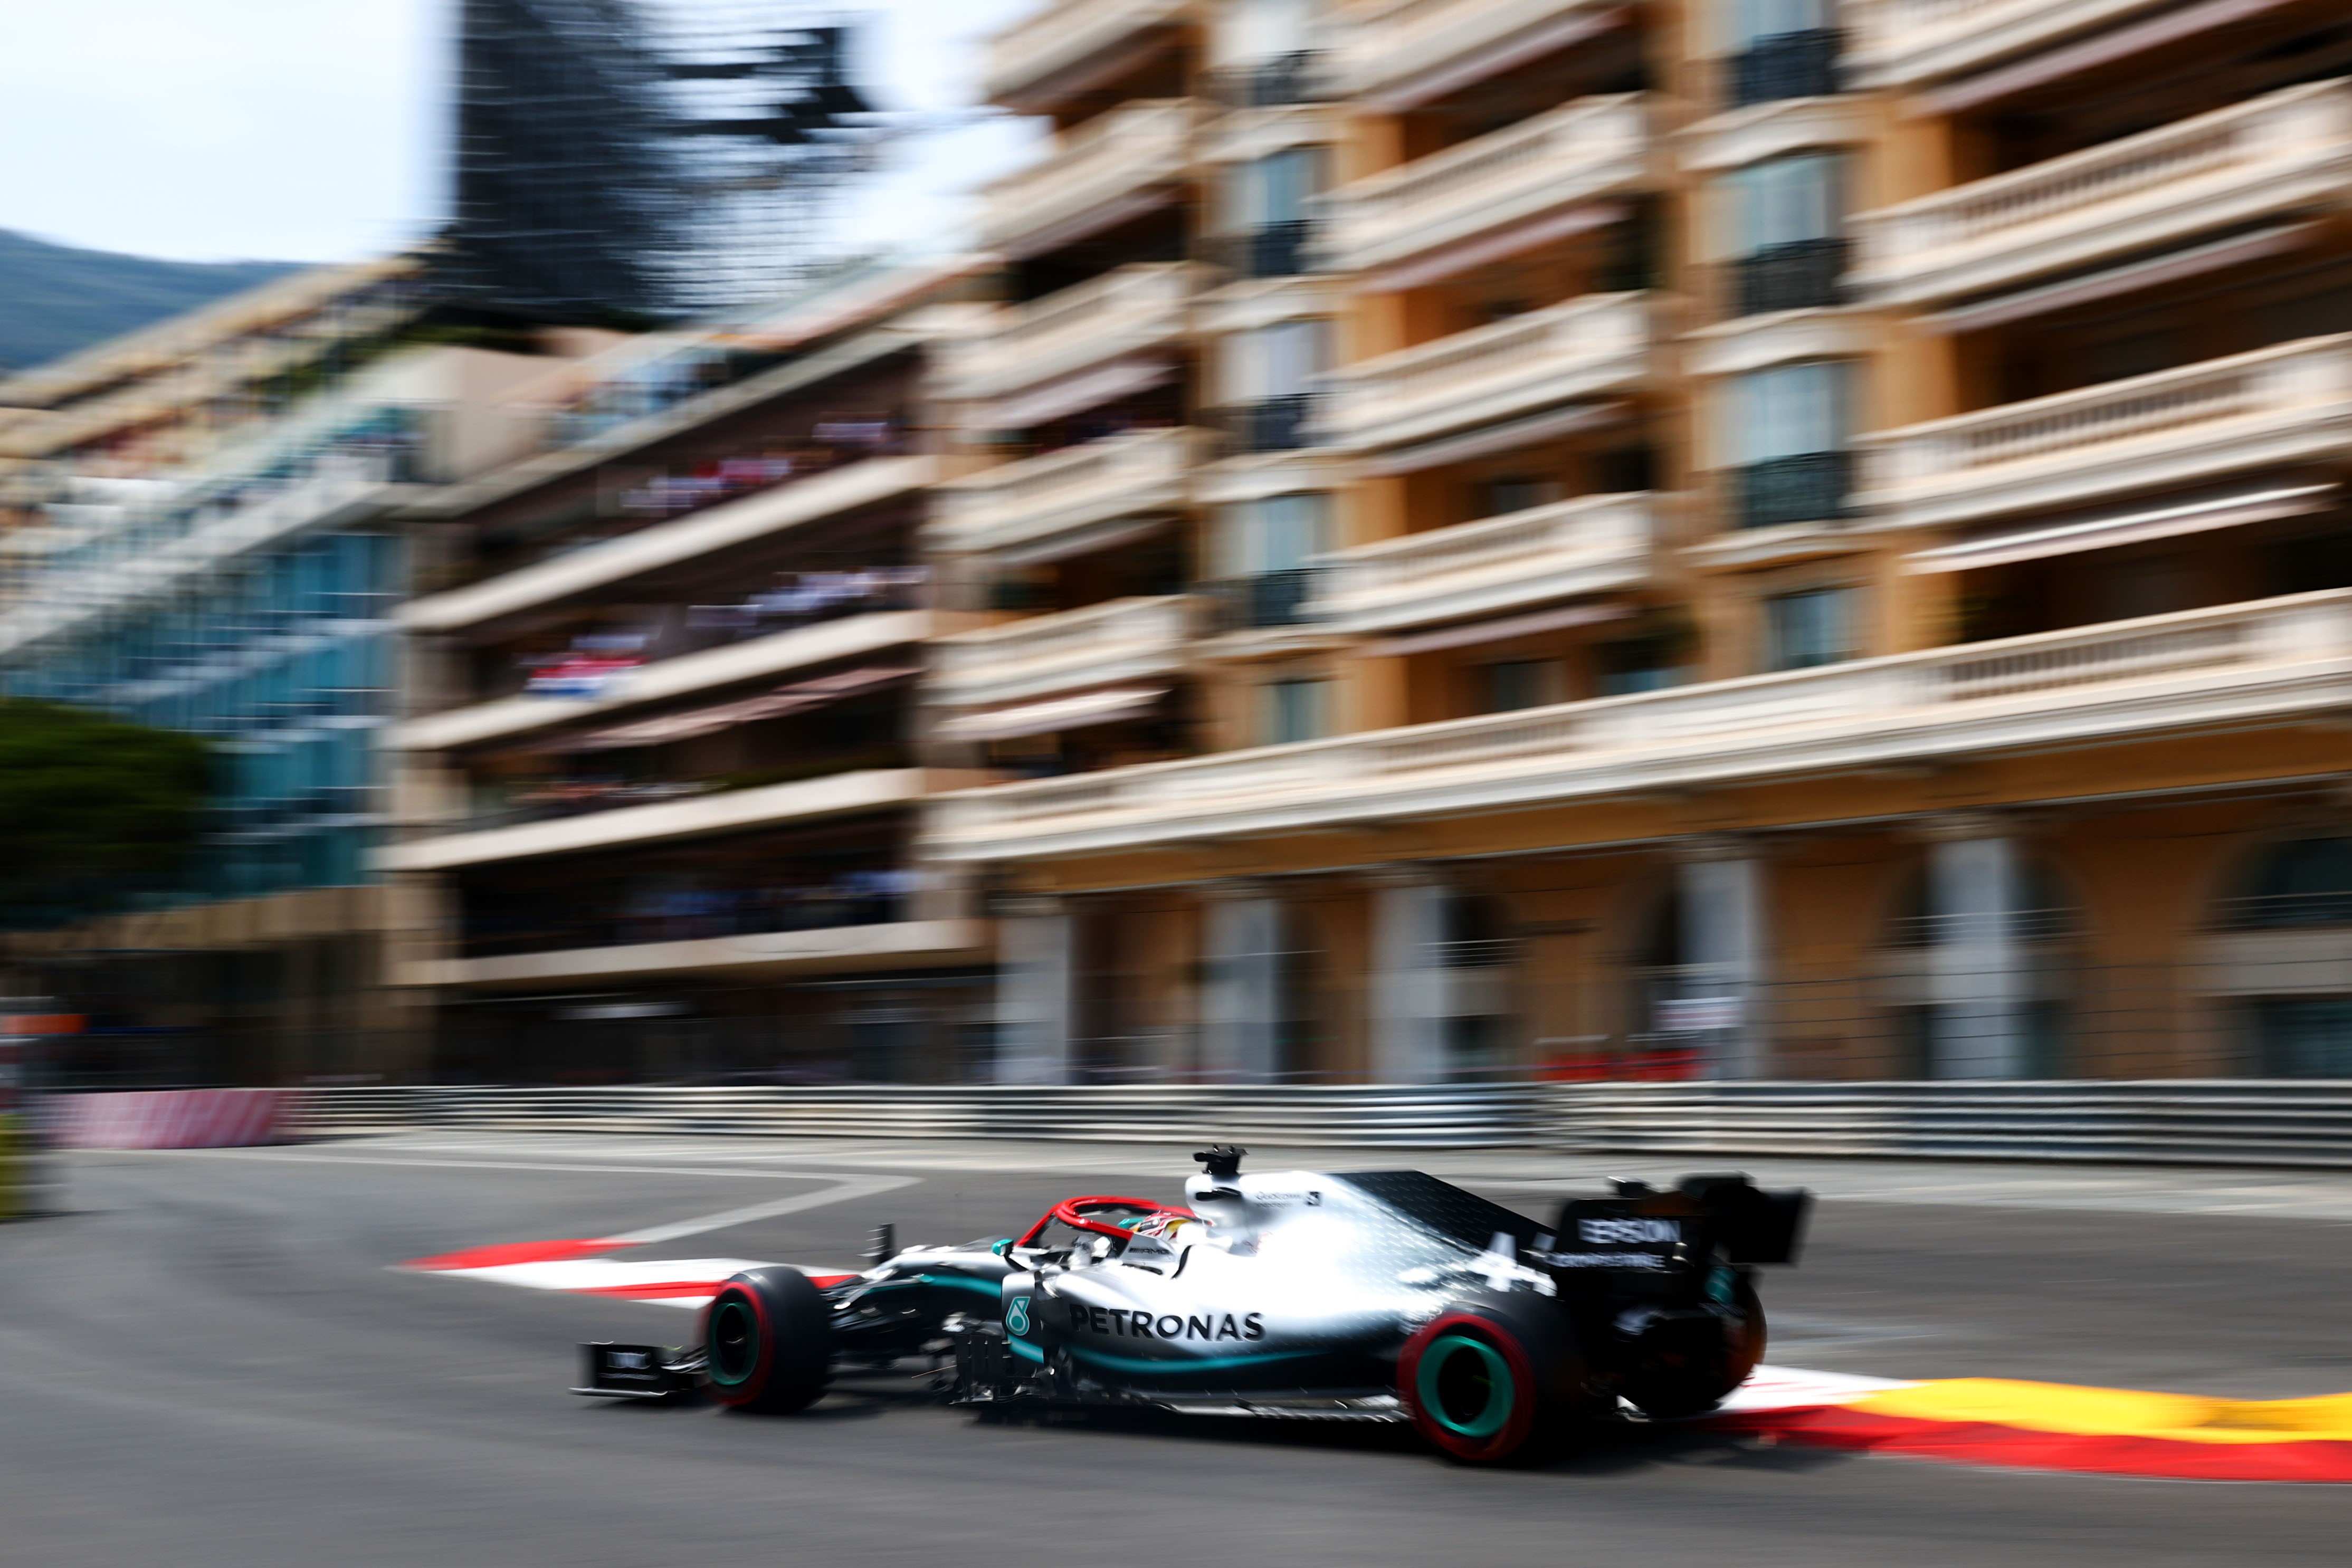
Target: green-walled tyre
(1493,1378)
(769,1340)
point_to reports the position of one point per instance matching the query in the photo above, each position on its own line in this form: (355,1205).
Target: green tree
(92,808)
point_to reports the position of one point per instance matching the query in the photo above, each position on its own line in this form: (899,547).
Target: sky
(315,130)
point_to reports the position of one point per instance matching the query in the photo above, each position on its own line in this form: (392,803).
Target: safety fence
(2283,1123)
(2168,1122)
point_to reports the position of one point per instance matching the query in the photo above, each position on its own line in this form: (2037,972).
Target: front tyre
(769,1340)
(1493,1378)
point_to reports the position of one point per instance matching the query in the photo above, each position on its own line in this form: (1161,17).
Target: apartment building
(660,766)
(202,537)
(1745,538)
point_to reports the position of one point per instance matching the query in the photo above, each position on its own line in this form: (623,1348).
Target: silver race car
(1368,1296)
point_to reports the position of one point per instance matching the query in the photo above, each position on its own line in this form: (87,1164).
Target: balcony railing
(1574,153)
(2273,406)
(1139,473)
(1124,311)
(1588,544)
(1901,42)
(1091,176)
(1583,349)
(1801,275)
(1023,59)
(2278,153)
(1272,250)
(1270,425)
(2278,658)
(1389,50)
(1805,487)
(1125,639)
(1271,83)
(1786,64)
(1265,599)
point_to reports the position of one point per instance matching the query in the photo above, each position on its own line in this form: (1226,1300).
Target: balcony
(847,947)
(1398,53)
(1904,43)
(1560,159)
(1593,544)
(1065,47)
(1051,656)
(1782,66)
(1586,347)
(779,652)
(1114,167)
(1044,507)
(605,565)
(1802,488)
(1128,310)
(1270,425)
(1800,275)
(807,799)
(2287,404)
(2266,158)
(2280,661)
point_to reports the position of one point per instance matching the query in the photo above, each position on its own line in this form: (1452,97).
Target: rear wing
(1679,1230)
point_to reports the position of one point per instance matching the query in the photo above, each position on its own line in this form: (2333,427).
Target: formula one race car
(1376,1296)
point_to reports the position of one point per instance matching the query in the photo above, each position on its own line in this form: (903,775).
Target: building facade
(660,769)
(1747,537)
(204,537)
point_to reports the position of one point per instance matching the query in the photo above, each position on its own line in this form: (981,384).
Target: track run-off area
(358,1352)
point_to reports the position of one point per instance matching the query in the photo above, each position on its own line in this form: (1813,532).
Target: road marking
(307,1159)
(848,1187)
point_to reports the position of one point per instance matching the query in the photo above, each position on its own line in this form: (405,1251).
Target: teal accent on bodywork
(963,1282)
(1183,1363)
(1002,1248)
(1023,1348)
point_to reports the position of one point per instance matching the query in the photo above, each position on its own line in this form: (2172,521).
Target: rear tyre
(769,1340)
(1493,1378)
(1687,1367)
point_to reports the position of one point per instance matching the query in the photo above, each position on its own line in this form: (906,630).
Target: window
(1261,29)
(1274,533)
(1513,683)
(2301,882)
(1752,21)
(1787,436)
(1786,200)
(1802,629)
(1782,49)
(1786,215)
(1265,204)
(1789,411)
(1292,710)
(1270,375)
(1279,360)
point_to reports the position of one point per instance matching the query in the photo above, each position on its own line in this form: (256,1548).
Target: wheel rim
(734,1341)
(1465,1387)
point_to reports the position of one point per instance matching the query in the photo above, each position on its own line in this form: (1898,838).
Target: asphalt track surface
(209,1358)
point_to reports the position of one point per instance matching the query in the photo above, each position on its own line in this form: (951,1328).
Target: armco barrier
(2163,1122)
(2233,1121)
(1444,1116)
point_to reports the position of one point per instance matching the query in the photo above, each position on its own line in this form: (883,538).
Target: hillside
(55,298)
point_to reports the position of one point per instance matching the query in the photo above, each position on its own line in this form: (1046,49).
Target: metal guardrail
(2157,1121)
(2168,1122)
(1444,1116)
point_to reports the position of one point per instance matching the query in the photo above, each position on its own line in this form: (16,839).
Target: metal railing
(1786,65)
(1808,487)
(2161,1122)
(1801,275)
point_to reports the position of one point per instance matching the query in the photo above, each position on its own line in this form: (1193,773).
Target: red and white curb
(584,1268)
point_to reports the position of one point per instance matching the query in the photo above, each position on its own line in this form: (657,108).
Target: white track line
(848,1187)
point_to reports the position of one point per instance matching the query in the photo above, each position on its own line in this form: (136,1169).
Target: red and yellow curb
(2060,1427)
